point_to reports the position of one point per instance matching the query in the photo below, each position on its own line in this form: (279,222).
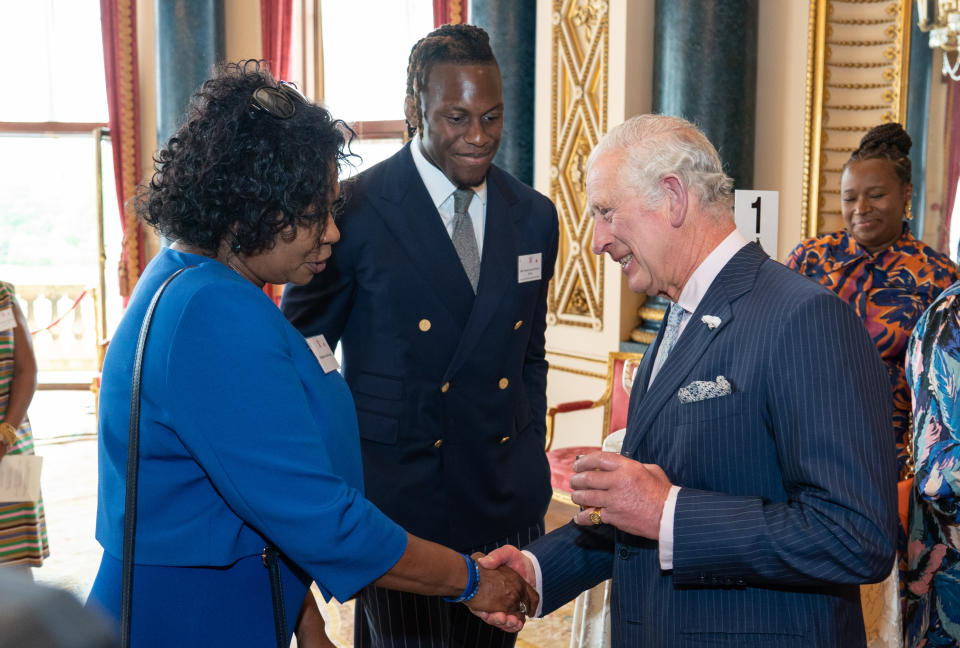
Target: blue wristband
(473,581)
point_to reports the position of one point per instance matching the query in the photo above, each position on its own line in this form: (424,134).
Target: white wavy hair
(654,146)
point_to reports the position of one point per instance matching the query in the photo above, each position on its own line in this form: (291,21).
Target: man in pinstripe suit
(756,486)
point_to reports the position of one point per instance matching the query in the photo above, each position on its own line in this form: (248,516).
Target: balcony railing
(63,321)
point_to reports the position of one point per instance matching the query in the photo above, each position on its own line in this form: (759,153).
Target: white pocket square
(700,390)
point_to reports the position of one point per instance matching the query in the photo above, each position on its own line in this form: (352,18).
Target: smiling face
(462,111)
(632,233)
(874,200)
(297,255)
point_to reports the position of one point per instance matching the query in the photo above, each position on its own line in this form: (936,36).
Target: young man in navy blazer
(438,298)
(756,488)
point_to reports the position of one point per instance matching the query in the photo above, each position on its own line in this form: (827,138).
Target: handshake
(507,591)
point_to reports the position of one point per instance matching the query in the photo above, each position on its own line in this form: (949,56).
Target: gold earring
(909,213)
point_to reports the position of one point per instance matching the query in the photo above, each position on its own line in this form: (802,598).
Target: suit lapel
(417,226)
(642,379)
(498,265)
(734,280)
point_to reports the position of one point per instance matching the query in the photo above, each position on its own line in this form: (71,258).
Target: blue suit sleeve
(829,408)
(572,559)
(242,413)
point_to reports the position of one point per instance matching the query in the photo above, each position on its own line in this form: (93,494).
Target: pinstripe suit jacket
(787,496)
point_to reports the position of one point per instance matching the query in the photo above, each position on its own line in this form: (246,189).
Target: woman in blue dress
(932,615)
(247,437)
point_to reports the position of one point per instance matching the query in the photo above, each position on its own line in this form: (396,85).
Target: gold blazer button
(425,325)
(438,443)
(518,325)
(445,388)
(503,383)
(504,439)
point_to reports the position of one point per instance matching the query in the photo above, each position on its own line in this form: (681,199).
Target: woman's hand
(504,590)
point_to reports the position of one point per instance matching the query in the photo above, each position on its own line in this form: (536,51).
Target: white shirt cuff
(539,587)
(666,529)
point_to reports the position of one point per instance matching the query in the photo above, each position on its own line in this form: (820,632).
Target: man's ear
(677,197)
(410,112)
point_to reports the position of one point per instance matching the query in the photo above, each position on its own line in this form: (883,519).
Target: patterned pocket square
(700,390)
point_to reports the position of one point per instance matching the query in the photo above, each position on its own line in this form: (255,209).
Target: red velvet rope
(49,326)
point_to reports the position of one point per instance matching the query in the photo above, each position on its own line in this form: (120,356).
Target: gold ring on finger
(595,517)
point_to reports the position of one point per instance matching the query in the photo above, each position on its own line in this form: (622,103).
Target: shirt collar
(698,284)
(438,185)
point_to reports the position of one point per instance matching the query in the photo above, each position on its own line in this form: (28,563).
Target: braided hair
(460,44)
(886,142)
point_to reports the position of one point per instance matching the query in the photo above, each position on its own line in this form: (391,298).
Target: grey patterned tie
(464,239)
(672,332)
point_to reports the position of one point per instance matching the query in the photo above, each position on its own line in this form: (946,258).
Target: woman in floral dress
(875,264)
(932,580)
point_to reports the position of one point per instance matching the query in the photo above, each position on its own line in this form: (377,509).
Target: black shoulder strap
(133,463)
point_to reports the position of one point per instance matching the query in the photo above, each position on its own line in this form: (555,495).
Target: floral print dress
(932,579)
(889,290)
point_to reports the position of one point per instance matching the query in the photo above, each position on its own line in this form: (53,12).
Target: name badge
(529,267)
(323,353)
(7,320)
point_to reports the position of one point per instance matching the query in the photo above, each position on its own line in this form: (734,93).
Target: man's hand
(628,494)
(508,558)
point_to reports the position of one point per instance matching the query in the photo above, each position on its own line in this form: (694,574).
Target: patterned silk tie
(464,239)
(670,335)
(672,332)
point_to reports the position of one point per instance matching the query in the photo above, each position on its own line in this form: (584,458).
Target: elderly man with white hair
(756,485)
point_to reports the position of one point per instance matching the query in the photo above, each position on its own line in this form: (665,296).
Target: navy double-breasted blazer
(449,386)
(787,496)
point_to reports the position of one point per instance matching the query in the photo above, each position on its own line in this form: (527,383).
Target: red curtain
(276,32)
(453,12)
(118,20)
(953,160)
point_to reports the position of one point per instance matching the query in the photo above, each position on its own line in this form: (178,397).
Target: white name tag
(7,320)
(529,267)
(323,353)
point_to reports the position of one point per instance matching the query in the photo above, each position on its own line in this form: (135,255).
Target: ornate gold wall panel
(856,79)
(578,118)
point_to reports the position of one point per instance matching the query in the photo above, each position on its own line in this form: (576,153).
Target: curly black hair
(886,142)
(235,174)
(460,44)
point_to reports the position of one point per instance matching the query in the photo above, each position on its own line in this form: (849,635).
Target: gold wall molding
(856,79)
(579,372)
(578,356)
(578,118)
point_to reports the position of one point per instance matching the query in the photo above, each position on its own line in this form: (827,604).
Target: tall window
(48,173)
(366,44)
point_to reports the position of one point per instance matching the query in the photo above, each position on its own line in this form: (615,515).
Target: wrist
(8,434)
(473,582)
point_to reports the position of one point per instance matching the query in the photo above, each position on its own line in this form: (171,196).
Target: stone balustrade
(71,344)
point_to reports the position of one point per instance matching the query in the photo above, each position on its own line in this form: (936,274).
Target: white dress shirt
(690,297)
(441,192)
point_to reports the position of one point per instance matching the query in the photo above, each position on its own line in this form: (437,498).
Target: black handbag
(270,555)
